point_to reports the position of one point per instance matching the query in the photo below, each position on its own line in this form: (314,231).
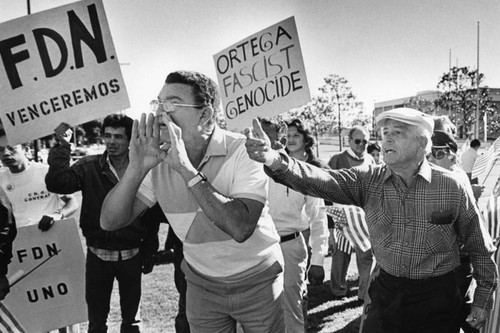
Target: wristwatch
(59,211)
(200,177)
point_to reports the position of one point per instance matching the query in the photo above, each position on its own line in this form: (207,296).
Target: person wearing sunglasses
(214,198)
(418,215)
(443,154)
(354,156)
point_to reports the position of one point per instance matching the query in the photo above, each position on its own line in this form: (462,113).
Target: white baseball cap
(408,116)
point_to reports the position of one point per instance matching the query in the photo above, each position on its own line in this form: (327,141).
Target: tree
(334,108)
(458,95)
(340,101)
(422,104)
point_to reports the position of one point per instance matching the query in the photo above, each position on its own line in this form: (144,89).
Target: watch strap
(196,179)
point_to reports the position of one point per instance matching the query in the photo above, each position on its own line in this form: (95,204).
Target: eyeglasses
(438,154)
(169,106)
(358,141)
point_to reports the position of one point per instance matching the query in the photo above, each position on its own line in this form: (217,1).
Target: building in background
(431,95)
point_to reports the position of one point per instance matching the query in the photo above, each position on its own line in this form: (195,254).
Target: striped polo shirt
(208,249)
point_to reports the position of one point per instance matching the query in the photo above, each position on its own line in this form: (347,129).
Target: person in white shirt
(469,158)
(23,185)
(286,208)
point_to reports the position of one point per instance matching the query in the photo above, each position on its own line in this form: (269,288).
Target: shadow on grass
(333,314)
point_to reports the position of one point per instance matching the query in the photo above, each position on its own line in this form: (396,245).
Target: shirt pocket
(439,238)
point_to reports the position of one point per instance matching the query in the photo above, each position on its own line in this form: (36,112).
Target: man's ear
(207,114)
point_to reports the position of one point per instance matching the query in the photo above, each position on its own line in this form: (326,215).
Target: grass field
(159,302)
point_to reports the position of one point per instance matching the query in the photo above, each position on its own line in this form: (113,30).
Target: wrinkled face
(13,157)
(400,146)
(186,117)
(295,140)
(116,141)
(358,142)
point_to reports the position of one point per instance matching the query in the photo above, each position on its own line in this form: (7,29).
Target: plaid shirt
(415,230)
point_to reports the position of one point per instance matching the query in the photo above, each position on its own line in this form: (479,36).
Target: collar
(353,154)
(218,144)
(104,159)
(110,165)
(424,171)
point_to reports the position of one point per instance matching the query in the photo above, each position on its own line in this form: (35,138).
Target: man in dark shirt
(122,254)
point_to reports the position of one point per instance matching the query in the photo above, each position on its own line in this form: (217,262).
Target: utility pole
(476,128)
(36,142)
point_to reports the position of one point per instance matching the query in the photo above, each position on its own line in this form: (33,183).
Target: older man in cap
(417,214)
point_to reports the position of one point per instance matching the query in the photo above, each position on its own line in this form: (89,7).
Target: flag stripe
(8,322)
(357,230)
(492,217)
(486,160)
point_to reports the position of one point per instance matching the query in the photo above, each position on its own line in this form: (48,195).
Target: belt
(289,237)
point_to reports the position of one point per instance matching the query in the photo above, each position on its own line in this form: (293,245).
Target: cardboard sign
(57,66)
(51,265)
(263,75)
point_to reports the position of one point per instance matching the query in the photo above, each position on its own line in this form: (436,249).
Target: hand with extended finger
(63,132)
(145,152)
(258,144)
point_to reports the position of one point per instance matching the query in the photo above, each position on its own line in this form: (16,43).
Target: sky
(386,49)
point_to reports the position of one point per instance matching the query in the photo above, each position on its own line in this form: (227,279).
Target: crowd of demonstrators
(213,195)
(124,254)
(23,187)
(356,155)
(286,208)
(418,214)
(245,238)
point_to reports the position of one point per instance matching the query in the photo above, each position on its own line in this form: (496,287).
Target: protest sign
(57,66)
(262,75)
(50,293)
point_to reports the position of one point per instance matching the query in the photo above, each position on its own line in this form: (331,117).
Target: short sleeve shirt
(208,249)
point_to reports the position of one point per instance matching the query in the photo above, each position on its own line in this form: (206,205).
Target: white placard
(57,65)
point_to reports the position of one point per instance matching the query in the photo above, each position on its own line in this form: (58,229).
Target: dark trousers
(99,278)
(174,243)
(401,305)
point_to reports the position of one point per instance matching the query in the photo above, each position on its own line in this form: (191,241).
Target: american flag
(9,323)
(486,160)
(351,220)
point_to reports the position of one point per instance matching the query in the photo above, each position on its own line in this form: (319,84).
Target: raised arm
(235,216)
